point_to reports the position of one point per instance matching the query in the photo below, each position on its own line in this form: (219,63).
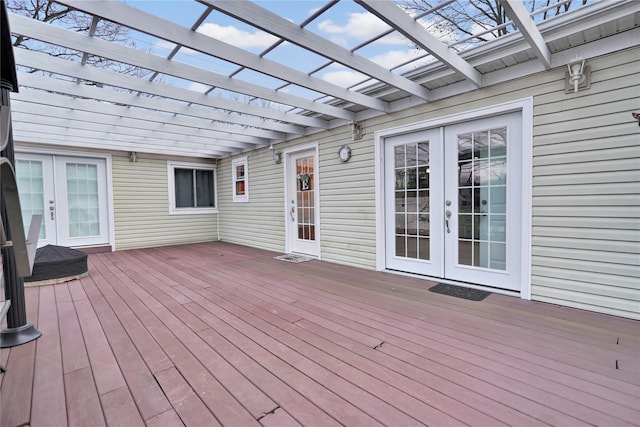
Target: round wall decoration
(344,153)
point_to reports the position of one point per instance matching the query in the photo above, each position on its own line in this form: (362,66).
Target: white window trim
(243,198)
(171,165)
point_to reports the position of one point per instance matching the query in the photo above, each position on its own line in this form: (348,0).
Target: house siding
(586,192)
(258,222)
(586,181)
(141,208)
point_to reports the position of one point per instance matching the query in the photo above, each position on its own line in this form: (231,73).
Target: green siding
(586,181)
(141,208)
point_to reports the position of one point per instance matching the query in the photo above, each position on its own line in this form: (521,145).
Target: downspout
(218,218)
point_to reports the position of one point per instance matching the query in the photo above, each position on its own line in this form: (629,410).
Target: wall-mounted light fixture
(356,129)
(578,75)
(276,157)
(133,157)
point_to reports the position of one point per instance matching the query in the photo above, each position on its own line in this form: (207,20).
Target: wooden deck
(218,334)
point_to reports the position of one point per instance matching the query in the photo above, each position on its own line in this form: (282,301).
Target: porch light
(133,157)
(577,73)
(276,157)
(356,129)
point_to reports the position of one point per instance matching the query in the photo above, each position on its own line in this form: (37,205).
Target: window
(192,188)
(240,180)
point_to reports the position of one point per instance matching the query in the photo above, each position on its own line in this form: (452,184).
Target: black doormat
(460,292)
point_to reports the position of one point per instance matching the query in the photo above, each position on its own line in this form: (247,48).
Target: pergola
(73,104)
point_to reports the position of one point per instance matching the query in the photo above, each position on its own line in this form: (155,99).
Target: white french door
(70,193)
(453,203)
(302,203)
(413,193)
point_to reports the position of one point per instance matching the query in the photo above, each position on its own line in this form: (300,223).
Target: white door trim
(287,224)
(85,154)
(525,106)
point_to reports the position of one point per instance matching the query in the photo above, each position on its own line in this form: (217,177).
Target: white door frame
(86,155)
(288,229)
(525,106)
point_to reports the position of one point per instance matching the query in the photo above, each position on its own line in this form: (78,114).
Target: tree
(54,13)
(464,19)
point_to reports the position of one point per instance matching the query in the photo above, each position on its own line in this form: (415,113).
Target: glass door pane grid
(82,200)
(482,184)
(31,190)
(305,194)
(411,169)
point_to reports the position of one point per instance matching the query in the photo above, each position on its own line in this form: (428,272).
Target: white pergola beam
(139,118)
(162,133)
(391,13)
(152,139)
(138,20)
(33,132)
(521,18)
(259,17)
(246,125)
(95,46)
(55,65)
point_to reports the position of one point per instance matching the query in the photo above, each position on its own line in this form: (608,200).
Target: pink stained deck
(220,334)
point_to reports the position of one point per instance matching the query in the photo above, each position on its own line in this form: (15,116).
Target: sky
(346,24)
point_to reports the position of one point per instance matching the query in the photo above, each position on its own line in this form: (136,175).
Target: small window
(192,188)
(240,180)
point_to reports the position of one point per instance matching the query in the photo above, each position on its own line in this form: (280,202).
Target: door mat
(460,292)
(293,258)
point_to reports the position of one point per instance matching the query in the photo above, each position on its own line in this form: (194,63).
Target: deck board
(220,334)
(48,408)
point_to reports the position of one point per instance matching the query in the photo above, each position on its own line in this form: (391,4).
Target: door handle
(51,209)
(447,215)
(291,212)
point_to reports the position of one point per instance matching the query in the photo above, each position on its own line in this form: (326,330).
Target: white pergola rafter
(521,18)
(119,13)
(120,129)
(32,102)
(246,125)
(94,46)
(391,13)
(259,17)
(55,65)
(101,139)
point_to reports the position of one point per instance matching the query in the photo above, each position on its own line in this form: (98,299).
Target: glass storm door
(70,192)
(302,203)
(453,209)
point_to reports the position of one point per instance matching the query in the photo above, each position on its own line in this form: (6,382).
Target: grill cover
(55,262)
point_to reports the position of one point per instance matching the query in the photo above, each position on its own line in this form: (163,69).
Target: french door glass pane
(305,194)
(82,200)
(31,190)
(411,170)
(482,187)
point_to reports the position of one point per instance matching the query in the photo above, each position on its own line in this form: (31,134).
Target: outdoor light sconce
(578,75)
(356,130)
(276,157)
(133,157)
